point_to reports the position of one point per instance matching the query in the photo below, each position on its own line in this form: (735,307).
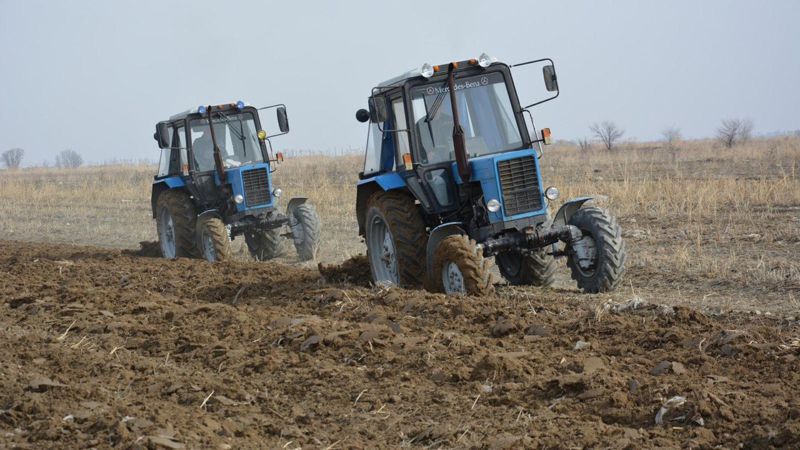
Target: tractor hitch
(532,238)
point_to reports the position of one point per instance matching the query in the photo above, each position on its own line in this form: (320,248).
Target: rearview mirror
(550,80)
(378,112)
(283,120)
(162,134)
(362,115)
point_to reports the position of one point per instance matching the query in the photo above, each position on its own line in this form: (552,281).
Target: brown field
(104,348)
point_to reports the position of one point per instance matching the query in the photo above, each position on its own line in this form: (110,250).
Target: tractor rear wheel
(603,237)
(536,268)
(396,239)
(460,268)
(306,229)
(213,239)
(264,244)
(175,223)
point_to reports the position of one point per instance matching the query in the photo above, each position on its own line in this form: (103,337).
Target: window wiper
(437,103)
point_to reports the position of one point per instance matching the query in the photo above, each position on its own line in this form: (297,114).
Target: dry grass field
(716,228)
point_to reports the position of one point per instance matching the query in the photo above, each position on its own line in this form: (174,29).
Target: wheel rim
(453,279)
(167,234)
(209,252)
(591,249)
(383,256)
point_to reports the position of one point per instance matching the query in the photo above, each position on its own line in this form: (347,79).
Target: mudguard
(568,209)
(437,235)
(294,203)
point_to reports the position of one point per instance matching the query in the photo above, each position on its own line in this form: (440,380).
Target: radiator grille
(519,185)
(256,187)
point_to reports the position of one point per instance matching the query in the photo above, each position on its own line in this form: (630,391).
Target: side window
(184,161)
(400,136)
(165,163)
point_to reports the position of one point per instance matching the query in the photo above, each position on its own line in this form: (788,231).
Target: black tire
(306,231)
(398,213)
(213,241)
(609,266)
(175,208)
(474,269)
(264,244)
(535,268)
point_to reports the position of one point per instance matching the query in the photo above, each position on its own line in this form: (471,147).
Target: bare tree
(584,144)
(672,135)
(12,158)
(734,131)
(608,133)
(69,159)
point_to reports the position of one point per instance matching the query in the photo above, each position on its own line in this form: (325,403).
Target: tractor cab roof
(428,71)
(239,105)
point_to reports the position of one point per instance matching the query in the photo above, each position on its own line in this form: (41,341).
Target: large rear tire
(212,239)
(603,236)
(175,223)
(306,228)
(535,268)
(396,240)
(460,268)
(264,244)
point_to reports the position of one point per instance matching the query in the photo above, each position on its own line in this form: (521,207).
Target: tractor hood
(513,179)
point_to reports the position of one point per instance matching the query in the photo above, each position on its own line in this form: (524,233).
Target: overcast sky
(95,76)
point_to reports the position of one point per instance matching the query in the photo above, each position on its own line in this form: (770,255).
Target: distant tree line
(730,133)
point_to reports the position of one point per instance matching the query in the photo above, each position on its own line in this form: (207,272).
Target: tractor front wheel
(175,223)
(396,239)
(603,239)
(536,268)
(213,239)
(264,244)
(306,227)
(460,268)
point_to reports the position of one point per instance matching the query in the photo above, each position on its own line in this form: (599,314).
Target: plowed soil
(103,348)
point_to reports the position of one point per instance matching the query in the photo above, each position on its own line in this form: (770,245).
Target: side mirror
(378,112)
(162,134)
(547,138)
(362,115)
(283,119)
(550,79)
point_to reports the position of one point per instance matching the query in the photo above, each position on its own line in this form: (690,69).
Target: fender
(294,203)
(566,210)
(437,235)
(164,185)
(210,212)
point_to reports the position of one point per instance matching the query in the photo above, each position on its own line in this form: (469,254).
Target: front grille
(519,185)
(256,187)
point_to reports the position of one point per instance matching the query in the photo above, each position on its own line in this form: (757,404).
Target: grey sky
(95,76)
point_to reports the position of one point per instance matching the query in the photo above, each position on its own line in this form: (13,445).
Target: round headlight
(551,193)
(426,70)
(238,198)
(277,192)
(493,205)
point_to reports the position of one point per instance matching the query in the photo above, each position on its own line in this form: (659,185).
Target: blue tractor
(214,183)
(451,179)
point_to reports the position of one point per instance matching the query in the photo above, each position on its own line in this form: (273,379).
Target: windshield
(485,112)
(237,138)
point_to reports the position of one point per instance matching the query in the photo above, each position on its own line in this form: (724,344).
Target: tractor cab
(219,160)
(454,148)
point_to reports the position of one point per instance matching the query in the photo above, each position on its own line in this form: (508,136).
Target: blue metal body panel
(172,182)
(234,176)
(387,181)
(484,170)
